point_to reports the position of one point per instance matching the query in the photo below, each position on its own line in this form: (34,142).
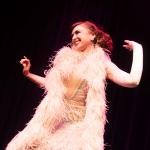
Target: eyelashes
(75,33)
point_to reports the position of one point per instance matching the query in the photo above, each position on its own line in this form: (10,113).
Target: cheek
(86,40)
(87,37)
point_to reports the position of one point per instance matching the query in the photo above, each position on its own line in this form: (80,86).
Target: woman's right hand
(25,62)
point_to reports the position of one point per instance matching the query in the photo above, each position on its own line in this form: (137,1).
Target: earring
(94,41)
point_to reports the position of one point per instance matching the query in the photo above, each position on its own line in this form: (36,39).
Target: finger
(126,41)
(21,61)
(126,46)
(24,65)
(25,57)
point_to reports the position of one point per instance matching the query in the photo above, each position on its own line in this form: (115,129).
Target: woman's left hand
(130,45)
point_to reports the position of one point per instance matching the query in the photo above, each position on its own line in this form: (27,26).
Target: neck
(87,50)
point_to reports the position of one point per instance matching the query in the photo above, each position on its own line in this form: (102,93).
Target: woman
(72,114)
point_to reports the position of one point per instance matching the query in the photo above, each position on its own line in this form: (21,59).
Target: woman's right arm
(38,80)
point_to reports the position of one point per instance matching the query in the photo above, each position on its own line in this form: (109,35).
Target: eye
(75,33)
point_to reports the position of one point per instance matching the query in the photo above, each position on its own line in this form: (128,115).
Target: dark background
(37,29)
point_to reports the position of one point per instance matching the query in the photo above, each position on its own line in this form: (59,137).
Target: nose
(74,36)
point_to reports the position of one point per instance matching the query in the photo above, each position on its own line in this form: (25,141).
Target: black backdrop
(37,29)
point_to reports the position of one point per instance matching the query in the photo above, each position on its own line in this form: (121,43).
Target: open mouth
(76,42)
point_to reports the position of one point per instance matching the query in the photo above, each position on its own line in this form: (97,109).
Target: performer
(72,115)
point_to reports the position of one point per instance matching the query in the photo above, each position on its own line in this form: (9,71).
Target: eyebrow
(75,32)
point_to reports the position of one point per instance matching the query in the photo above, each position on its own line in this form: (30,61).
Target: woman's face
(81,38)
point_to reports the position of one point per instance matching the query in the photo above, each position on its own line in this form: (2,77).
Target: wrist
(137,46)
(26,73)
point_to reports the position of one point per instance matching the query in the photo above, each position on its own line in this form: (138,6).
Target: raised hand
(130,45)
(25,62)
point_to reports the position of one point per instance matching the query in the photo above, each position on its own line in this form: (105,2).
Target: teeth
(76,42)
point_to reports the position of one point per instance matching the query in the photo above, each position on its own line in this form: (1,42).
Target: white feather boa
(46,130)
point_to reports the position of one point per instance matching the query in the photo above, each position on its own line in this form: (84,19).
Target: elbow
(134,84)
(42,86)
(134,81)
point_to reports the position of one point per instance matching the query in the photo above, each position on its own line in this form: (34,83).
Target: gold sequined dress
(75,102)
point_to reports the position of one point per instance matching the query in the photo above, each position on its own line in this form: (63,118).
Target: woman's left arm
(123,78)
